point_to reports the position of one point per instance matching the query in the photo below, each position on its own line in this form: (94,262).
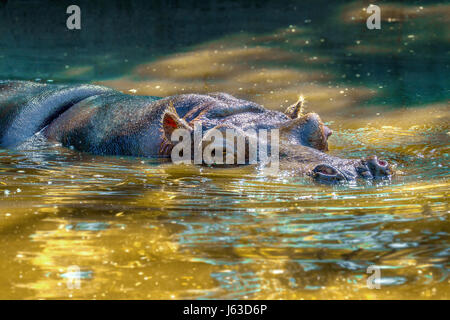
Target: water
(140,228)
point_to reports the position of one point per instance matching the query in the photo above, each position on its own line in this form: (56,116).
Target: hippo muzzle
(370,168)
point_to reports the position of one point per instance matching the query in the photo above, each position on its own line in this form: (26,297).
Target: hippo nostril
(382,163)
(378,168)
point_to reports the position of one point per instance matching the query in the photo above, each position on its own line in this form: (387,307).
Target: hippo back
(111,124)
(27,107)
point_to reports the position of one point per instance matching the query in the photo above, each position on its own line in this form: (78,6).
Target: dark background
(116,36)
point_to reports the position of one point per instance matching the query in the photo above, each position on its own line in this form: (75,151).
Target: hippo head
(309,130)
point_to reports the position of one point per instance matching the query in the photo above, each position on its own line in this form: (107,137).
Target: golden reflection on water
(138,228)
(160,231)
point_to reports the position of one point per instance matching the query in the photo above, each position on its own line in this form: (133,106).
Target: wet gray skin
(102,121)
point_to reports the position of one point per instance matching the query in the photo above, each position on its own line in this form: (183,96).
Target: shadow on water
(142,228)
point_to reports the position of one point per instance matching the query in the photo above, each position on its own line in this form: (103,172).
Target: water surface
(140,228)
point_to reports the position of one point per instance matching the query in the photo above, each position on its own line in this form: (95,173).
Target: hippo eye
(326,170)
(382,163)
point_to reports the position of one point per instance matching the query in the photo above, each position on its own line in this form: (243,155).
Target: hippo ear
(293,126)
(307,130)
(171,121)
(296,110)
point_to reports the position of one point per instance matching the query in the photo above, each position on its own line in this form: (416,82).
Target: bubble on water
(277,271)
(6,192)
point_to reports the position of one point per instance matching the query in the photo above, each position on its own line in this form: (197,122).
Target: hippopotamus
(103,121)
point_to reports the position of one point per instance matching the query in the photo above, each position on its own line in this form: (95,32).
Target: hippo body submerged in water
(103,121)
